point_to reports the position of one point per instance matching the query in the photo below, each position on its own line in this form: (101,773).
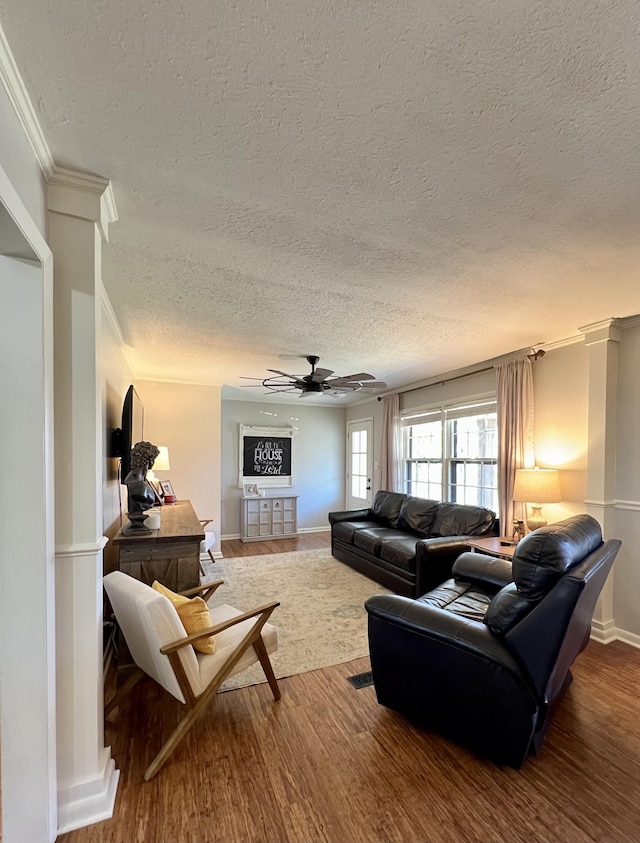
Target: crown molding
(54,175)
(630,322)
(552,346)
(603,331)
(86,183)
(21,102)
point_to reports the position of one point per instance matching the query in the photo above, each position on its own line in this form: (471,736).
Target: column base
(89,801)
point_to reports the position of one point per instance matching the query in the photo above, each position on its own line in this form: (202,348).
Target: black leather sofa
(405,543)
(485,657)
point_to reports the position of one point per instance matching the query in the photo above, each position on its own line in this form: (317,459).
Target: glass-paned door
(359,463)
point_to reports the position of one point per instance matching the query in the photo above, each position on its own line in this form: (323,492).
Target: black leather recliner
(485,657)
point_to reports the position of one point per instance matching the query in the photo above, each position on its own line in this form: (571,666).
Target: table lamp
(541,485)
(161,463)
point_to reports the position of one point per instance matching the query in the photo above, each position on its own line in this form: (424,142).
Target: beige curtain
(390,451)
(514,383)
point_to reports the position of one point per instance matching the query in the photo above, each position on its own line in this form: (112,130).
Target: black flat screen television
(131,431)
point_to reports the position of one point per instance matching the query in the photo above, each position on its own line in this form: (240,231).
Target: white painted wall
(186,418)
(626,581)
(319,458)
(27,695)
(20,164)
(561,390)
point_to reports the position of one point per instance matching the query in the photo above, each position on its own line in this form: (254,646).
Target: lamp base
(536,519)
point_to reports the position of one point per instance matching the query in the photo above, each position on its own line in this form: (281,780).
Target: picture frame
(157,491)
(266,456)
(250,490)
(167,488)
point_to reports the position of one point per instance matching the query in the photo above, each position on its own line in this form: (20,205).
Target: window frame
(446,415)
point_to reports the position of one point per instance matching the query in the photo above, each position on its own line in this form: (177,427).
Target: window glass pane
(452,455)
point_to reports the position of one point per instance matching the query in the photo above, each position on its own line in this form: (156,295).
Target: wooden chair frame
(196,705)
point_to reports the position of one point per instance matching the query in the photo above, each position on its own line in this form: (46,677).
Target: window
(452,454)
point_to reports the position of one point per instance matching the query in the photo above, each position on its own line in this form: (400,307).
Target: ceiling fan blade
(374,385)
(361,376)
(284,374)
(320,374)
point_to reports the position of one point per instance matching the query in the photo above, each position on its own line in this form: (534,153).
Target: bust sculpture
(140,494)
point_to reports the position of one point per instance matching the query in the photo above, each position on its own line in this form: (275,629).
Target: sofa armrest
(434,560)
(350,515)
(481,568)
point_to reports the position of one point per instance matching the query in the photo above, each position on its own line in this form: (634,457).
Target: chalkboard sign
(266,455)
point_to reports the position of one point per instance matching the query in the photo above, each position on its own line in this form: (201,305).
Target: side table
(170,554)
(491,545)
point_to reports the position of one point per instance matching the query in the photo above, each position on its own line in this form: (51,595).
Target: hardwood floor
(327,763)
(305,541)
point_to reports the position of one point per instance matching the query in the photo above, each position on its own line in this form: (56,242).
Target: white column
(80,208)
(601,339)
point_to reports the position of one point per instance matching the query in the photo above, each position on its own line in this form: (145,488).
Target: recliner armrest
(481,568)
(453,630)
(350,515)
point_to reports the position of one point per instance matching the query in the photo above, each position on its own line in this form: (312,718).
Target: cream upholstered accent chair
(208,541)
(161,648)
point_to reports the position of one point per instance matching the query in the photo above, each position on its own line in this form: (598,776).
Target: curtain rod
(536,354)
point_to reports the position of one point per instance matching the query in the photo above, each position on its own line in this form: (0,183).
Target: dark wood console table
(170,555)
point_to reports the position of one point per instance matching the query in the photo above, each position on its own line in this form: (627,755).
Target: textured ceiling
(400,188)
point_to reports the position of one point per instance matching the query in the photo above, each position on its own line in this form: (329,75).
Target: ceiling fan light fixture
(311,388)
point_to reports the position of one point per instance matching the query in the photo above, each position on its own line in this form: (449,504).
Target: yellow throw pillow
(194,614)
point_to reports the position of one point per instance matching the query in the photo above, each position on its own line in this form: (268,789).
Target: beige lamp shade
(537,486)
(162,460)
(161,463)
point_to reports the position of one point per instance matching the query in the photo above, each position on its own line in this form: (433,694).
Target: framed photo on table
(157,490)
(250,490)
(167,489)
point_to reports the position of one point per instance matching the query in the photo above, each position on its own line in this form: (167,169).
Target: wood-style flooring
(305,541)
(327,763)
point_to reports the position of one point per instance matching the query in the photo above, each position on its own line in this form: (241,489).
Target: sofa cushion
(386,508)
(459,598)
(543,556)
(454,519)
(417,516)
(400,552)
(370,540)
(345,530)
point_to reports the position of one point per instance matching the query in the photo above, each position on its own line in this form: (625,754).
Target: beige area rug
(321,619)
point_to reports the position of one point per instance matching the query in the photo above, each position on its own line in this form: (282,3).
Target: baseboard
(90,801)
(324,529)
(628,637)
(217,554)
(606,633)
